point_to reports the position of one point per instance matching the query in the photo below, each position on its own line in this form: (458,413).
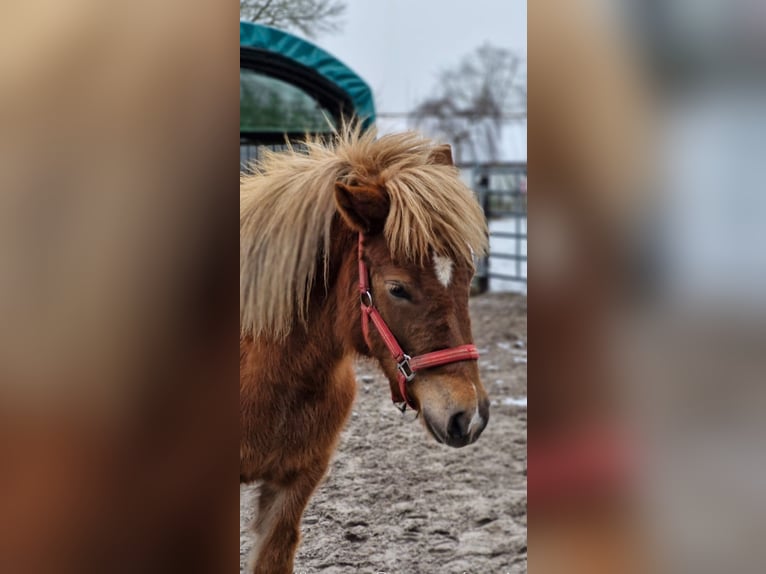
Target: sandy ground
(395,501)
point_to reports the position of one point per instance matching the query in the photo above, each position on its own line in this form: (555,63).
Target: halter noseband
(406,366)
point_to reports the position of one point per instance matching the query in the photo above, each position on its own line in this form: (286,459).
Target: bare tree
(310,17)
(474,100)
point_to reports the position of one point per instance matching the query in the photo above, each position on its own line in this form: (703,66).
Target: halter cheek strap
(406,366)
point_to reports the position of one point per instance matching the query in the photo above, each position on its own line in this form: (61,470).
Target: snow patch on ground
(512,402)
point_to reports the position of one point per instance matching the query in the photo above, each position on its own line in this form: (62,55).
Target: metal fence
(250,152)
(502,192)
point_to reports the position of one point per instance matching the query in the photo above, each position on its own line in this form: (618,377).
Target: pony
(334,236)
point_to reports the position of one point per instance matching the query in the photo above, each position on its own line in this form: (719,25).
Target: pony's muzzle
(459,427)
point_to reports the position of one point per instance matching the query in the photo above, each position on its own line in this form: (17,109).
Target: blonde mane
(287,205)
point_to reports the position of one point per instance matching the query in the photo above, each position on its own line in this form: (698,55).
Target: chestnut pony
(386,217)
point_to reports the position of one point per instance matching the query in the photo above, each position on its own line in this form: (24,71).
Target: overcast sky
(399,46)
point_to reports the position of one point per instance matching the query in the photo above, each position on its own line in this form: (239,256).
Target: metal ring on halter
(404,368)
(362,296)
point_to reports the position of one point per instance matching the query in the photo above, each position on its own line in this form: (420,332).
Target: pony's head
(421,226)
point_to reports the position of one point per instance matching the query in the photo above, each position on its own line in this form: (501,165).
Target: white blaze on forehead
(443,266)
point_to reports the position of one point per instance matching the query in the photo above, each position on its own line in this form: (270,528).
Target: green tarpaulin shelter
(289,86)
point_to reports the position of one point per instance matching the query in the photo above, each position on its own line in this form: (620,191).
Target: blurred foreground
(118,401)
(648,227)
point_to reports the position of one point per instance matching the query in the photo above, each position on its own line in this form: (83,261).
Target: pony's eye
(398,291)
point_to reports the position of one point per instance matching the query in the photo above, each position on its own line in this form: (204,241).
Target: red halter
(406,366)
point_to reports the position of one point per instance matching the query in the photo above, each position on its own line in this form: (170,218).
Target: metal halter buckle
(404,368)
(366,299)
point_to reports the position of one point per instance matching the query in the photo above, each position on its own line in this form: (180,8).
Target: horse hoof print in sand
(350,246)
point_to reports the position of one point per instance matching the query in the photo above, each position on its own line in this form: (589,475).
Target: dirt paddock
(395,501)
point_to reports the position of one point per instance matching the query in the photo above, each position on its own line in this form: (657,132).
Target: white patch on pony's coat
(262,526)
(443,267)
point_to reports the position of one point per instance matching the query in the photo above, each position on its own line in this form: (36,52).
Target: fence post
(482,191)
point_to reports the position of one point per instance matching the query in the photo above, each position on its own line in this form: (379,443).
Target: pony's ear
(441,155)
(364,209)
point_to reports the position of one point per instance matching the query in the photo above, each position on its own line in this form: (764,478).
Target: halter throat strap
(406,366)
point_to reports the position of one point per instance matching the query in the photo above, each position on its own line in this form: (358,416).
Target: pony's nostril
(457,428)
